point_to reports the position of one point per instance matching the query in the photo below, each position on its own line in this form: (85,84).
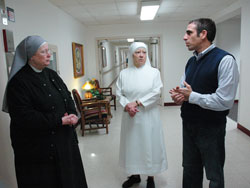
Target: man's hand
(176,97)
(185,91)
(179,95)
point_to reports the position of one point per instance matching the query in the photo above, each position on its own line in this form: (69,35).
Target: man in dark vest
(207,93)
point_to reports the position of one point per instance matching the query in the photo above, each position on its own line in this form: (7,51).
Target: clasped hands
(131,108)
(179,95)
(69,119)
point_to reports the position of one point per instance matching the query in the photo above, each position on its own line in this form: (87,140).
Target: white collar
(35,69)
(201,54)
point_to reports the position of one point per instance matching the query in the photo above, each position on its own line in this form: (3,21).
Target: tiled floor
(100,154)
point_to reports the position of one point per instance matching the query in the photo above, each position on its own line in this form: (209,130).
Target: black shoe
(131,181)
(150,182)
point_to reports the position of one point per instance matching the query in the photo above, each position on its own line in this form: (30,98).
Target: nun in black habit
(42,113)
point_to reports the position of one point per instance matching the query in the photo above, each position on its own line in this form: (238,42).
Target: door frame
(99,59)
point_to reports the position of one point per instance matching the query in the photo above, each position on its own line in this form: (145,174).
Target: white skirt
(142,146)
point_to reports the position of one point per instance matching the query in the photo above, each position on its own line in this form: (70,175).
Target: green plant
(97,93)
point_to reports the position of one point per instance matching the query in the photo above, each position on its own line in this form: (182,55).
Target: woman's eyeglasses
(45,52)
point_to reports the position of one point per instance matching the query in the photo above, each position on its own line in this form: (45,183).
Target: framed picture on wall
(54,64)
(78,59)
(11,14)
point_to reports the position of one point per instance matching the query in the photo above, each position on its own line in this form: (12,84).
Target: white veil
(132,49)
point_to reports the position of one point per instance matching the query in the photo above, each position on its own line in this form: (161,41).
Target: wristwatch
(137,103)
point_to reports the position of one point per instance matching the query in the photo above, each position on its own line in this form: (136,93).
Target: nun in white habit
(142,147)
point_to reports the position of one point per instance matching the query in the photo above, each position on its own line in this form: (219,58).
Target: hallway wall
(244,102)
(228,38)
(58,28)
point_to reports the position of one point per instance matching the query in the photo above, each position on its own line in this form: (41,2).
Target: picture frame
(10,14)
(78,59)
(104,57)
(54,63)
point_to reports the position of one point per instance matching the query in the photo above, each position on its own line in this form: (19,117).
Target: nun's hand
(71,119)
(131,108)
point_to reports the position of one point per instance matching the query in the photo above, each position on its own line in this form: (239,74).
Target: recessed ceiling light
(149,10)
(130,39)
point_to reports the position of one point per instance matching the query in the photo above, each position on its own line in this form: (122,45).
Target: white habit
(142,147)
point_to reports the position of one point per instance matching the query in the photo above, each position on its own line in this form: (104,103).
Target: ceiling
(105,12)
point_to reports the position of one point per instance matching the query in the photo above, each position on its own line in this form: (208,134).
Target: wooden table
(106,100)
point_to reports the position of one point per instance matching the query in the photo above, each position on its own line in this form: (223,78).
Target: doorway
(113,52)
(113,56)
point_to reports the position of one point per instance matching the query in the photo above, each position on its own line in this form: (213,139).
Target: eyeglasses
(45,52)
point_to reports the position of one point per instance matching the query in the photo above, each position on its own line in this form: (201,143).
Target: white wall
(174,54)
(243,7)
(58,28)
(37,17)
(244,102)
(228,38)
(7,174)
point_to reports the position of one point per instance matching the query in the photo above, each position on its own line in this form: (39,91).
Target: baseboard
(243,129)
(170,104)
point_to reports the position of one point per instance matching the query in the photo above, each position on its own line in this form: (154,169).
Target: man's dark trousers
(203,146)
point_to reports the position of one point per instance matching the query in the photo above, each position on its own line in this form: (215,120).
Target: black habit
(46,152)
